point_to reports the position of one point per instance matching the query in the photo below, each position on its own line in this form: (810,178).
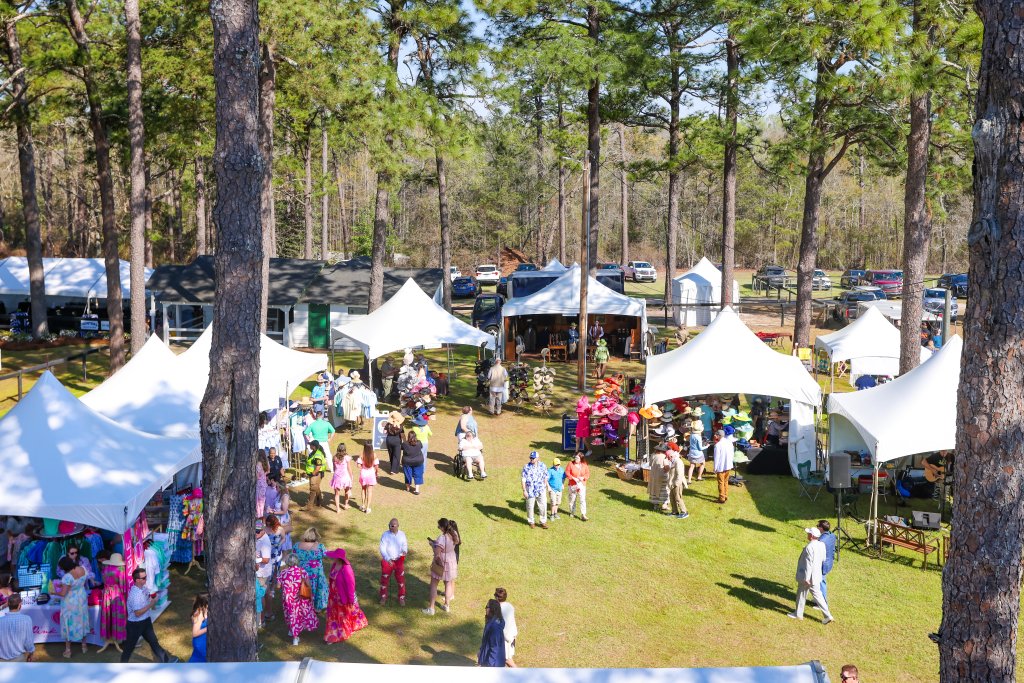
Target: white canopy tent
(554,266)
(728,357)
(148,395)
(409,319)
(892,310)
(72,278)
(698,293)
(915,413)
(871,343)
(562,297)
(67,462)
(281,369)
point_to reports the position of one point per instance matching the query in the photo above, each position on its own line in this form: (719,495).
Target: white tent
(408,319)
(554,266)
(871,343)
(65,461)
(728,357)
(562,297)
(698,292)
(14,274)
(915,413)
(892,310)
(147,394)
(73,278)
(281,369)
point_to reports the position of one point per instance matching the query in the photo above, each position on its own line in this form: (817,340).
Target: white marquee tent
(281,369)
(554,266)
(409,319)
(67,462)
(562,297)
(915,413)
(698,292)
(727,357)
(871,343)
(147,394)
(71,278)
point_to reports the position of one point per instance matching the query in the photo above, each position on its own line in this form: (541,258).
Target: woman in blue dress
(492,648)
(200,611)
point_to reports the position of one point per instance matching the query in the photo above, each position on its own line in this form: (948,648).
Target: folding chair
(809,481)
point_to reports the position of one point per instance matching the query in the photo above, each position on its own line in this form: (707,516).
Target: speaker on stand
(839,481)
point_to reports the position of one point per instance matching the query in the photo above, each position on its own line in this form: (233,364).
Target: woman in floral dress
(311,552)
(344,616)
(262,469)
(298,611)
(114,616)
(74,605)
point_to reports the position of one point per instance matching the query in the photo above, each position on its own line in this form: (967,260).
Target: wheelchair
(459,466)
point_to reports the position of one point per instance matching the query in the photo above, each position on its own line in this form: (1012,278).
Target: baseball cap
(556,462)
(259,525)
(533,455)
(813,531)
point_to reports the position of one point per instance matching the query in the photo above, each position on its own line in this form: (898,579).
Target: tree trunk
(341,209)
(732,58)
(381,221)
(538,121)
(561,189)
(230,406)
(112,264)
(623,199)
(148,232)
(808,247)
(137,174)
(307,196)
(179,220)
(917,227)
(27,171)
(200,207)
(267,99)
(324,196)
(446,230)
(981,582)
(594,142)
(674,179)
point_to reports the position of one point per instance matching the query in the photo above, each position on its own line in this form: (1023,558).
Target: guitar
(934,473)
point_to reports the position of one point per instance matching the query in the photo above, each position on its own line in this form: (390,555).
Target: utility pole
(581,362)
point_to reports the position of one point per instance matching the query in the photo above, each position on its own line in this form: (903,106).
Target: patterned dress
(312,562)
(261,490)
(344,616)
(114,615)
(74,609)
(298,613)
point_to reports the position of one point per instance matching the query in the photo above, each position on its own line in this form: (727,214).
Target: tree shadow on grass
(761,593)
(496,512)
(753,526)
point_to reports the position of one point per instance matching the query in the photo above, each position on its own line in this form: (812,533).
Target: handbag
(437,566)
(305,591)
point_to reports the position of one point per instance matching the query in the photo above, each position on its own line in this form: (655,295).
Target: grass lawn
(629,588)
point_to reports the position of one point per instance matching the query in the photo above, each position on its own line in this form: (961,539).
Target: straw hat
(396,418)
(116,560)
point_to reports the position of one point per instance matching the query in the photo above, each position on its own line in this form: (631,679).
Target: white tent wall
(698,292)
(871,343)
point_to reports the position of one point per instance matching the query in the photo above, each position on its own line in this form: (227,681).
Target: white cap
(814,531)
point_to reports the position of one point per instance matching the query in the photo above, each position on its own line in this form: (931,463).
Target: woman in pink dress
(342,479)
(262,469)
(368,465)
(582,422)
(298,611)
(445,565)
(344,616)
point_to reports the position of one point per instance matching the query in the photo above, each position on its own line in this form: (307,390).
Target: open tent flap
(68,462)
(726,357)
(915,413)
(410,319)
(281,369)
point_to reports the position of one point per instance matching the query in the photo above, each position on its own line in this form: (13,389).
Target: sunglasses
(140,578)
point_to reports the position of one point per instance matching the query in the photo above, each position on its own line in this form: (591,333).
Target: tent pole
(873,522)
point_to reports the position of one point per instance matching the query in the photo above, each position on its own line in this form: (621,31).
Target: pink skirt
(341,480)
(367,476)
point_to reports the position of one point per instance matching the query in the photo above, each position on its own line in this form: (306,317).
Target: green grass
(613,591)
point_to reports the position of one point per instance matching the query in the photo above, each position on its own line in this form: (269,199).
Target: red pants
(386,570)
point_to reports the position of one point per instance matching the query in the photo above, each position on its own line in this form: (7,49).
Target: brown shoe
(531,525)
(543,525)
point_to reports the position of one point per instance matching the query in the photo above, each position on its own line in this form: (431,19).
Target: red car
(890,281)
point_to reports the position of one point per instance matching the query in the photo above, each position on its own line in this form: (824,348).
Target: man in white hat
(808,576)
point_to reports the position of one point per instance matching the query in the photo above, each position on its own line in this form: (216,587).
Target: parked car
(487,313)
(820,280)
(454,273)
(847,302)
(502,287)
(955,281)
(770,276)
(488,274)
(526,267)
(935,302)
(851,278)
(640,271)
(871,289)
(891,281)
(465,287)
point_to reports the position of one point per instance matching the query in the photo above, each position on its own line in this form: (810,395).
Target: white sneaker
(828,621)
(295,640)
(793,615)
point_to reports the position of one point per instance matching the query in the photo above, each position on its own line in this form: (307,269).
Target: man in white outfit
(808,576)
(496,379)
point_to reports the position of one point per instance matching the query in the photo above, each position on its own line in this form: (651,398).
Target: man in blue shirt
(535,489)
(319,393)
(556,480)
(829,539)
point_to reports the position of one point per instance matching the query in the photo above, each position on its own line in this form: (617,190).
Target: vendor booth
(697,294)
(871,344)
(915,413)
(89,479)
(543,318)
(728,357)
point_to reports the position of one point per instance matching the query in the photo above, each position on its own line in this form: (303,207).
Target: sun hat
(696,412)
(602,342)
(813,531)
(354,375)
(396,418)
(620,410)
(633,418)
(697,426)
(306,402)
(336,554)
(420,421)
(741,416)
(729,430)
(656,411)
(116,560)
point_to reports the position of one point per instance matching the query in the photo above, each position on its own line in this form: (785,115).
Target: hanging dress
(114,614)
